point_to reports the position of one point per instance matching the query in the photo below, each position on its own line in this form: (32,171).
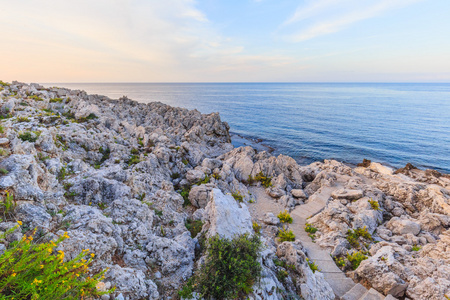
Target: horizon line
(252,82)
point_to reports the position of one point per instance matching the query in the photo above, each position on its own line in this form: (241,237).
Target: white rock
(226,217)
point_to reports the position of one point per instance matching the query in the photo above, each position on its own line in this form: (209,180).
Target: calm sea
(389,123)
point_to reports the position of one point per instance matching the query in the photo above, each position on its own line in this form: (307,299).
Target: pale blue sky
(212,40)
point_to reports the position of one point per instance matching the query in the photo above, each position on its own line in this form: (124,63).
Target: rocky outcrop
(124,178)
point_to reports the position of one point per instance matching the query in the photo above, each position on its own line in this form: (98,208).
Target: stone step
(355,293)
(318,255)
(341,286)
(327,266)
(372,294)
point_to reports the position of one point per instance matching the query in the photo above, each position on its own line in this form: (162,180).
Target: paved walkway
(343,287)
(340,283)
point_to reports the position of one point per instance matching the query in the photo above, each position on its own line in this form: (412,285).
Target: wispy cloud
(330,16)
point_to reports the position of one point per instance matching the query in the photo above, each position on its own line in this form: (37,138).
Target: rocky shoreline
(126,179)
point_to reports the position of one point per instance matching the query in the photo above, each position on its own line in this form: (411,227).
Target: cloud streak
(337,15)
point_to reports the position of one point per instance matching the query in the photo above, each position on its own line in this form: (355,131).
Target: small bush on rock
(185,194)
(265,180)
(238,197)
(28,136)
(256,227)
(286,236)
(194,227)
(310,228)
(354,235)
(38,271)
(374,204)
(285,217)
(312,265)
(356,258)
(230,270)
(416,248)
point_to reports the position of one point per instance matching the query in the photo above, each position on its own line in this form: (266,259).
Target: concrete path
(343,287)
(340,283)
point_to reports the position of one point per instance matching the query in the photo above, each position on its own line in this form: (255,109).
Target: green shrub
(3,152)
(23,119)
(62,174)
(159,213)
(105,154)
(340,261)
(3,171)
(7,206)
(286,236)
(185,161)
(175,175)
(310,228)
(2,129)
(36,98)
(28,136)
(264,179)
(216,176)
(185,194)
(238,197)
(285,217)
(194,227)
(312,265)
(204,181)
(134,151)
(4,83)
(416,248)
(91,116)
(356,258)
(256,227)
(42,157)
(37,271)
(230,269)
(282,275)
(374,204)
(56,100)
(354,235)
(134,159)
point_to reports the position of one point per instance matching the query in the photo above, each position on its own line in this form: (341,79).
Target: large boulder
(226,217)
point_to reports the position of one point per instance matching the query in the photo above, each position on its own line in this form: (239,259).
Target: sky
(225,41)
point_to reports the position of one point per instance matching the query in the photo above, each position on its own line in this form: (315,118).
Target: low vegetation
(374,204)
(185,194)
(29,136)
(312,265)
(416,248)
(230,269)
(238,197)
(356,258)
(354,236)
(256,227)
(265,180)
(194,227)
(285,217)
(7,206)
(285,235)
(38,271)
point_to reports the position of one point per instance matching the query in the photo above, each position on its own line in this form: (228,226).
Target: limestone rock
(226,217)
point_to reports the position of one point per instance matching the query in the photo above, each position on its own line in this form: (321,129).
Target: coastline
(125,179)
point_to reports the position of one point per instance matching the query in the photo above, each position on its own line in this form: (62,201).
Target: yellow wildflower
(13,274)
(30,238)
(92,254)
(19,222)
(42,266)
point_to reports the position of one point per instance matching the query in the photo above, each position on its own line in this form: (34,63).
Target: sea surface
(389,123)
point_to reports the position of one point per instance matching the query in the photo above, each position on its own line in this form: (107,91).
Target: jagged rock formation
(124,179)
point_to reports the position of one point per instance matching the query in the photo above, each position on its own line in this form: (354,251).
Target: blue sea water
(390,123)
